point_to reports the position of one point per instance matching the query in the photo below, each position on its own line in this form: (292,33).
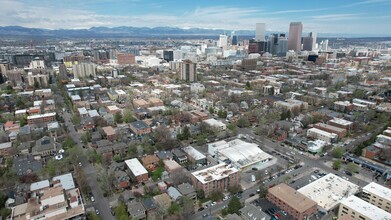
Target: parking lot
(266,206)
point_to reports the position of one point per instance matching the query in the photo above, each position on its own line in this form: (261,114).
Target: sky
(364,17)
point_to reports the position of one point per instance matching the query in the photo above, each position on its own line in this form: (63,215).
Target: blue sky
(365,17)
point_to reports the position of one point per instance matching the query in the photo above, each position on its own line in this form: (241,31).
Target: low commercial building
(316,146)
(329,191)
(291,104)
(140,103)
(377,195)
(171,166)
(218,177)
(215,124)
(322,135)
(137,170)
(242,155)
(331,129)
(294,203)
(109,133)
(356,208)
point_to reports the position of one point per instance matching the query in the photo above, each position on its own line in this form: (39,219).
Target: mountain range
(128,31)
(122,31)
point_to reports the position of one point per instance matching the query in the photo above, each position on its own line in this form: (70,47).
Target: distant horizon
(351,17)
(249,34)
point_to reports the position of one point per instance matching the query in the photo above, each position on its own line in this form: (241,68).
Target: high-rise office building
(314,38)
(168,55)
(282,46)
(260,31)
(223,41)
(294,39)
(272,43)
(188,71)
(307,43)
(324,45)
(235,40)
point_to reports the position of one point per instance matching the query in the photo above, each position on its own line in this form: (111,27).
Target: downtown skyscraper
(294,39)
(260,31)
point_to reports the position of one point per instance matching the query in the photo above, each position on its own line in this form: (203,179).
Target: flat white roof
(324,133)
(136,167)
(214,122)
(365,208)
(217,172)
(82,111)
(341,121)
(192,152)
(328,191)
(39,185)
(41,115)
(361,101)
(21,111)
(241,153)
(66,181)
(112,107)
(93,113)
(378,190)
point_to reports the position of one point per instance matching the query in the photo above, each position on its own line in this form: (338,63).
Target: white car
(58,157)
(213,203)
(92,199)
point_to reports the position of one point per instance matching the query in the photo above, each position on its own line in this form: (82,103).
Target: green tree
(67,143)
(262,190)
(337,152)
(23,121)
(211,110)
(118,117)
(174,209)
(36,84)
(216,195)
(248,86)
(234,205)
(121,212)
(359,93)
(352,167)
(92,216)
(222,114)
(243,122)
(187,205)
(128,116)
(337,164)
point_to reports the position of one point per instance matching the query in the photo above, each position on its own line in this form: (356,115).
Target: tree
(185,134)
(211,110)
(337,152)
(352,167)
(234,205)
(222,114)
(174,209)
(118,117)
(248,86)
(359,93)
(337,164)
(67,143)
(187,206)
(200,194)
(128,116)
(216,195)
(243,122)
(23,121)
(235,189)
(121,213)
(262,190)
(36,84)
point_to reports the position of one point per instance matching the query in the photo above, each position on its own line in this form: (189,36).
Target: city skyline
(351,17)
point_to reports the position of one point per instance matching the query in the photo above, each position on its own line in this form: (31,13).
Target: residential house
(251,212)
(109,133)
(136,210)
(45,146)
(140,128)
(150,162)
(179,156)
(163,201)
(186,189)
(26,164)
(174,194)
(11,126)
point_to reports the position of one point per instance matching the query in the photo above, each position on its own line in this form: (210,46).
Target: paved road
(101,203)
(265,143)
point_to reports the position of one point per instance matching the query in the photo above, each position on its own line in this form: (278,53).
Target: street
(101,203)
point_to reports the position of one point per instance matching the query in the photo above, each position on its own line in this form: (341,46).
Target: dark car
(251,195)
(200,209)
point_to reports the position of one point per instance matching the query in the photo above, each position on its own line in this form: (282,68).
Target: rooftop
(136,167)
(341,121)
(66,181)
(378,190)
(329,190)
(323,133)
(214,173)
(293,198)
(365,208)
(192,152)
